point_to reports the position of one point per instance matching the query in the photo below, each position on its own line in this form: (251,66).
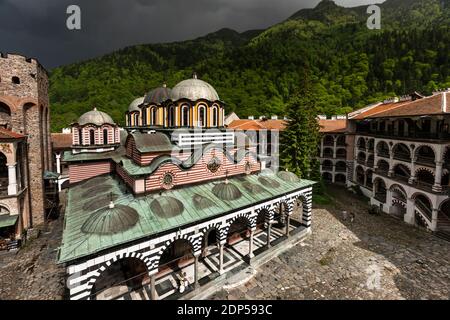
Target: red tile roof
(8,134)
(424,106)
(62,140)
(329,126)
(247,124)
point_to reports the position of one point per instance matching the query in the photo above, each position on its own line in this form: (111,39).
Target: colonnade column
(12,179)
(58,162)
(221,257)
(196,271)
(250,245)
(152,286)
(438,177)
(410,211)
(434,219)
(288,221)
(269,227)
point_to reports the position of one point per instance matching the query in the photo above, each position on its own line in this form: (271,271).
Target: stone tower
(24,110)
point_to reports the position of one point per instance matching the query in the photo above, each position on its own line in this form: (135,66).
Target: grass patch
(321,199)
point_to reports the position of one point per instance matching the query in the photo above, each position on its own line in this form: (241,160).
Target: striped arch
(269,212)
(251,222)
(289,206)
(194,242)
(306,208)
(105,265)
(213,226)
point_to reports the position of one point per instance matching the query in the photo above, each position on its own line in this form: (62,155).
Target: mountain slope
(256,72)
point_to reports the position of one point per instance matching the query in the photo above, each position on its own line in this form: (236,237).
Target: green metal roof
(77,244)
(90,156)
(7,221)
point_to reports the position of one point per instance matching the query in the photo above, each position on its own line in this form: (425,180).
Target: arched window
(144,116)
(185,116)
(80,136)
(201,116)
(214,117)
(91,137)
(105,136)
(171,116)
(136,119)
(154,116)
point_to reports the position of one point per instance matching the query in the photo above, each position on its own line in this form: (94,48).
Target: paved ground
(32,273)
(375,257)
(335,262)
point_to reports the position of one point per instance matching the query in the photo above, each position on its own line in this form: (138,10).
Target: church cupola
(95,131)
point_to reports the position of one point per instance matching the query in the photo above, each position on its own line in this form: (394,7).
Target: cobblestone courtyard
(339,258)
(334,262)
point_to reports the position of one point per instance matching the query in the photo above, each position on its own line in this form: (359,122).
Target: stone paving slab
(342,260)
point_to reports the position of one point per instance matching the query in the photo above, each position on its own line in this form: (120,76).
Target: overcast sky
(37,28)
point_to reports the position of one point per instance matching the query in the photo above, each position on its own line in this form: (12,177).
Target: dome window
(202,116)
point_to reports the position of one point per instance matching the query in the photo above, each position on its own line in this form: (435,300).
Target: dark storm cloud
(38,28)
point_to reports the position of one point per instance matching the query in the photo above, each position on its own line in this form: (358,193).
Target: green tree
(299,140)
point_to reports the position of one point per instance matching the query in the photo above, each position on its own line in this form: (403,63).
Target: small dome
(95,117)
(110,220)
(226,191)
(134,106)
(253,187)
(194,89)
(268,182)
(158,95)
(201,202)
(266,172)
(288,176)
(167,207)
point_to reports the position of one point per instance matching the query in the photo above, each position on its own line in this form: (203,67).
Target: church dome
(110,220)
(288,176)
(134,106)
(226,191)
(268,182)
(95,117)
(158,95)
(201,202)
(194,89)
(167,207)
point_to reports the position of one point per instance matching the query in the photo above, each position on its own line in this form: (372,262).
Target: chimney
(251,118)
(274,117)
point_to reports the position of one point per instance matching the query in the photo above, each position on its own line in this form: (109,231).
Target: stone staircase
(443,226)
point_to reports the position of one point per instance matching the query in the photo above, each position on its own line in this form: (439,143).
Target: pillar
(288,221)
(58,162)
(221,258)
(12,179)
(269,227)
(389,201)
(196,271)
(321,147)
(152,287)
(434,219)
(438,177)
(410,211)
(334,146)
(250,245)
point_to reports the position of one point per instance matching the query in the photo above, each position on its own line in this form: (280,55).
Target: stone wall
(24,89)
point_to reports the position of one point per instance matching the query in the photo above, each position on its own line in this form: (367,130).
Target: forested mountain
(255,72)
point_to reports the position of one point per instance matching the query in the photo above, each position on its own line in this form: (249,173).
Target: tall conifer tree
(299,140)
